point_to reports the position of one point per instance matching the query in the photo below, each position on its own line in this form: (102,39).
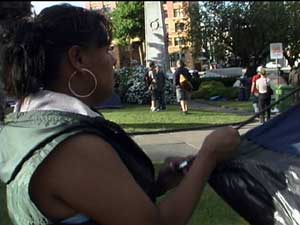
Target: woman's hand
(169,176)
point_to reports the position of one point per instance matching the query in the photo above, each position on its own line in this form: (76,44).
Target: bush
(196,81)
(227,81)
(132,87)
(209,89)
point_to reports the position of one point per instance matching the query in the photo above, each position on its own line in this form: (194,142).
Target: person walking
(264,94)
(161,83)
(152,74)
(183,88)
(63,162)
(294,81)
(254,90)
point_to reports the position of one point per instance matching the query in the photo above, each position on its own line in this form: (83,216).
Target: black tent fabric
(262,182)
(281,134)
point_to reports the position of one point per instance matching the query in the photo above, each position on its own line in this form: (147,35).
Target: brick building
(106,6)
(176,20)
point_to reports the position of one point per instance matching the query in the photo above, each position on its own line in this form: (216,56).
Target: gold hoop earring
(88,94)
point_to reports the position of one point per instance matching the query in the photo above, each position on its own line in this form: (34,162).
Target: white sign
(276,51)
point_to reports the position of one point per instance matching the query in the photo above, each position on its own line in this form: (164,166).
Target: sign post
(276,53)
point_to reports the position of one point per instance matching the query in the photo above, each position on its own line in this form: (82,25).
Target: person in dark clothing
(152,74)
(182,94)
(161,82)
(294,81)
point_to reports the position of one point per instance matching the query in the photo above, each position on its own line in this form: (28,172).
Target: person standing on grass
(161,83)
(254,90)
(183,95)
(152,75)
(294,81)
(264,97)
(63,162)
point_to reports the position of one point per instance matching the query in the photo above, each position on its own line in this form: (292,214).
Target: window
(166,13)
(167,27)
(179,41)
(177,13)
(179,27)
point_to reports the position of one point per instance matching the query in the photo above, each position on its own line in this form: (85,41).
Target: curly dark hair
(31,57)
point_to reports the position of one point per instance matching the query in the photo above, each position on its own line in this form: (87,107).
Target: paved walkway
(160,146)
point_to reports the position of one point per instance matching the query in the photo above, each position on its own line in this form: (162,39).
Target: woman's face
(101,62)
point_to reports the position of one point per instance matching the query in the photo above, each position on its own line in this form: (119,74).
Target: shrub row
(210,89)
(132,87)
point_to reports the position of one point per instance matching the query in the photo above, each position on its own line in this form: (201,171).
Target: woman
(264,95)
(63,163)
(182,94)
(254,91)
(152,74)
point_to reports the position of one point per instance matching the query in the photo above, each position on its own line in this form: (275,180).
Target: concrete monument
(155,35)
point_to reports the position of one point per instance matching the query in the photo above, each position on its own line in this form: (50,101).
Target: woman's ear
(75,57)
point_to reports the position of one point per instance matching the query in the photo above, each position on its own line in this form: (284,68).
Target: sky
(39,5)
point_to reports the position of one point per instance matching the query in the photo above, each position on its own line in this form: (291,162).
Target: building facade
(176,21)
(105,6)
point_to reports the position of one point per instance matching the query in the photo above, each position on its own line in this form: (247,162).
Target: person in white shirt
(264,96)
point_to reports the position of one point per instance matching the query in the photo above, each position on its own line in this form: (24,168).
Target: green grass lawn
(211,209)
(137,118)
(244,106)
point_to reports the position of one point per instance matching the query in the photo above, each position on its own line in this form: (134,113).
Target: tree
(194,29)
(292,41)
(245,29)
(129,23)
(9,14)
